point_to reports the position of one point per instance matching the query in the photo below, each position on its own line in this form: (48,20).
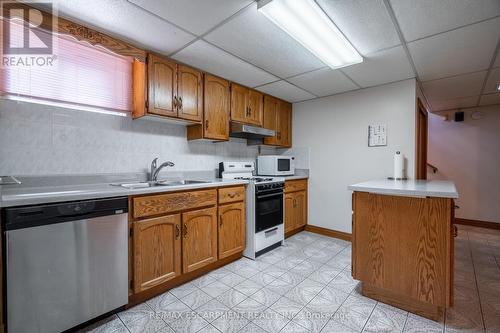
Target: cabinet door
(217,108)
(270,118)
(284,120)
(300,209)
(239,103)
(162,82)
(190,93)
(157,251)
(289,212)
(231,229)
(199,238)
(255,107)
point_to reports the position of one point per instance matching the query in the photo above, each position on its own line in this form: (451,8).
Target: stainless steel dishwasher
(66,263)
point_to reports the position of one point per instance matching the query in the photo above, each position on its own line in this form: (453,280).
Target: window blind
(82,75)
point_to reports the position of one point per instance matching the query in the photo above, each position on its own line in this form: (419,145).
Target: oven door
(268,209)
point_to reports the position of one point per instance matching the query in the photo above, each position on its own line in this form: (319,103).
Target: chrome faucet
(153,176)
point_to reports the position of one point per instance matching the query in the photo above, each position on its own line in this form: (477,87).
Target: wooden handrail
(434,168)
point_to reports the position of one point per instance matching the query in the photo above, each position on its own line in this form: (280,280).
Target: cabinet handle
(185,230)
(250,111)
(231,195)
(206,124)
(220,222)
(180,102)
(177,231)
(455,231)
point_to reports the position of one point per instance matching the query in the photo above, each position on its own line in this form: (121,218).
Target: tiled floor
(306,286)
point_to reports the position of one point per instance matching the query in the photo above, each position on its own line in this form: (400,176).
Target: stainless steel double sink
(134,185)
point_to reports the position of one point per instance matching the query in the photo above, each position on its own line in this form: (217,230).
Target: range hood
(249,132)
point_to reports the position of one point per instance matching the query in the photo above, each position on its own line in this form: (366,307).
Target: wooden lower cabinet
(199,238)
(231,234)
(402,251)
(157,251)
(295,205)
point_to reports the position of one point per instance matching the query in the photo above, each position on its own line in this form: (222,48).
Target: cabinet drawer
(231,194)
(295,185)
(172,202)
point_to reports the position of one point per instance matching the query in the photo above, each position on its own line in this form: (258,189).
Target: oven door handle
(269,195)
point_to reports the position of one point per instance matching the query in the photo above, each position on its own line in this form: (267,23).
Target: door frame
(421,140)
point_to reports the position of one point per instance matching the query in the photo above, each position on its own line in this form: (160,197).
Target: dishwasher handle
(32,216)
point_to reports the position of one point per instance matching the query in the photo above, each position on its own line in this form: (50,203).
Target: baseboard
(477,223)
(293,232)
(329,232)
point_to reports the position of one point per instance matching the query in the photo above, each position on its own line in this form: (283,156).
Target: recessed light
(498,86)
(308,24)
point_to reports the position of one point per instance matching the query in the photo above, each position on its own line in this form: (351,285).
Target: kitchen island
(402,243)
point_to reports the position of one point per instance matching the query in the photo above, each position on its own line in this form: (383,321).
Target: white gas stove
(264,207)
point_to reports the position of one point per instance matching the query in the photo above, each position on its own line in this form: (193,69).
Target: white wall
(44,140)
(468,153)
(334,130)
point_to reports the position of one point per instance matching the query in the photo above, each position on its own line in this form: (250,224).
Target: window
(82,76)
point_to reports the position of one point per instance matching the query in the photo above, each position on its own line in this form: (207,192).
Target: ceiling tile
(381,67)
(121,19)
(422,18)
(193,15)
(213,60)
(456,103)
(459,51)
(366,24)
(286,91)
(256,39)
(492,82)
(490,99)
(324,82)
(454,87)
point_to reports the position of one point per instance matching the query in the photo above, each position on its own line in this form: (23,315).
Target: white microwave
(275,165)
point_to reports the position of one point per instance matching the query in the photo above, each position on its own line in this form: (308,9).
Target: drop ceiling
(450,46)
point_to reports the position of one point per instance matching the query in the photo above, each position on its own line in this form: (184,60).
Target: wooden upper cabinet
(189,93)
(255,107)
(231,229)
(157,251)
(246,105)
(278,117)
(199,238)
(270,118)
(284,124)
(162,86)
(239,103)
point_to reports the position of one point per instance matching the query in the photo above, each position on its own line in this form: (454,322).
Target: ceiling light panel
(310,26)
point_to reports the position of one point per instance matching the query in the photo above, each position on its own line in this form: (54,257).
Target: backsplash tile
(42,140)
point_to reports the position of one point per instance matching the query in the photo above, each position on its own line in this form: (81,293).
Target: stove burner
(255,179)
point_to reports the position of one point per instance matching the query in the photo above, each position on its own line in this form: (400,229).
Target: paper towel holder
(398,153)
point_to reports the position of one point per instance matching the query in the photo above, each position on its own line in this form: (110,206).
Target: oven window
(268,211)
(283,164)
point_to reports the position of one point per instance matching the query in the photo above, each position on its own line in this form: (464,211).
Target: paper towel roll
(398,165)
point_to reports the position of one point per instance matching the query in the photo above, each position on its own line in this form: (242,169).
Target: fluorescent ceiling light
(311,27)
(498,86)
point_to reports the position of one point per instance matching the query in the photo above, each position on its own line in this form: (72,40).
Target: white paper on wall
(377,135)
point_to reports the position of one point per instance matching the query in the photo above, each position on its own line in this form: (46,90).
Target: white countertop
(11,195)
(424,188)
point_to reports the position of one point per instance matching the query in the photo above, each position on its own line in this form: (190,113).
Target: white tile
(454,87)
(216,61)
(381,67)
(490,99)
(459,51)
(366,24)
(323,82)
(492,82)
(423,18)
(286,91)
(456,103)
(256,39)
(121,18)
(193,15)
